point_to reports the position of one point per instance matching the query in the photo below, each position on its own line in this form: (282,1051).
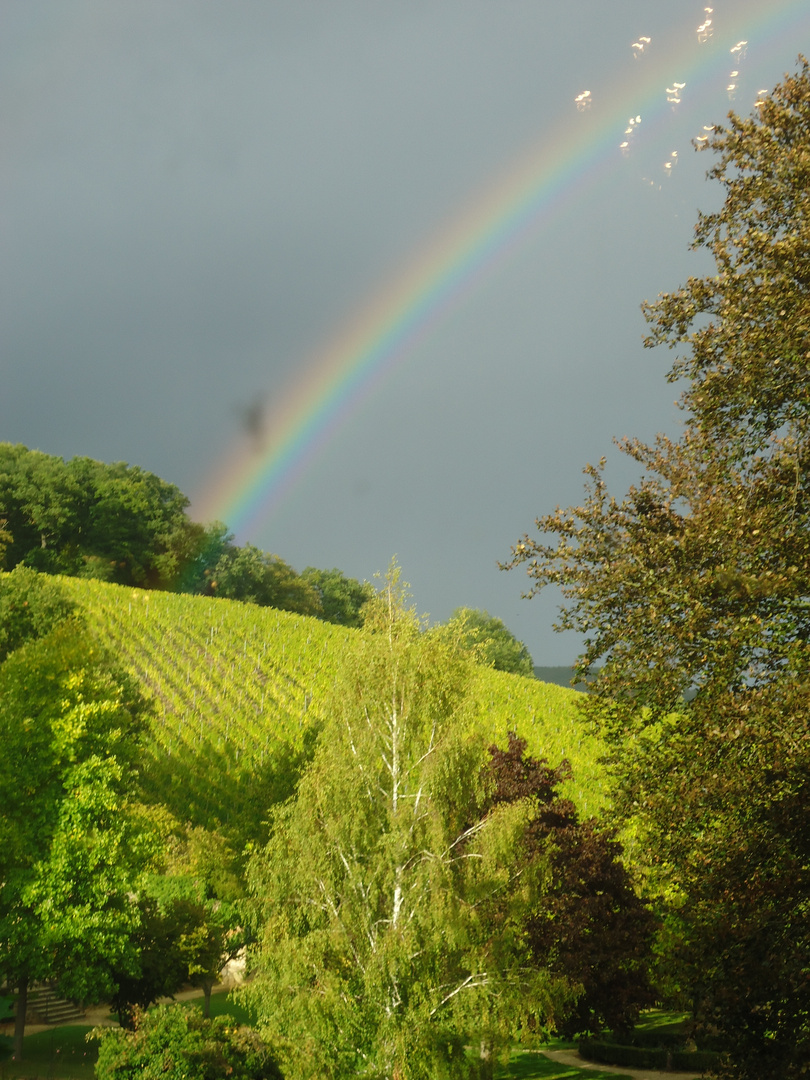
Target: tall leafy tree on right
(693,592)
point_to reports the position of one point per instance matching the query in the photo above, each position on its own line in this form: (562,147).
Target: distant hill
(560,676)
(239,692)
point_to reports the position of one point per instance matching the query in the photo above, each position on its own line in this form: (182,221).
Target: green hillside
(238,691)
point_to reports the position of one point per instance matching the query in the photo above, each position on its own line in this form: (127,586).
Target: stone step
(51,1009)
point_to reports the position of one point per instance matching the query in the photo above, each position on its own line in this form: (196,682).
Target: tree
(5,540)
(342,598)
(170,1042)
(70,839)
(200,880)
(98,893)
(119,523)
(212,543)
(491,641)
(589,926)
(256,577)
(745,328)
(221,568)
(388,902)
(88,519)
(696,585)
(185,916)
(157,964)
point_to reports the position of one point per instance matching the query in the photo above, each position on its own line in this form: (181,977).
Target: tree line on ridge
(122,524)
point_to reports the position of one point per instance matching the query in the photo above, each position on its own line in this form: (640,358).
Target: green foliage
(633,1056)
(82,517)
(201,882)
(30,605)
(744,329)
(186,915)
(388,903)
(205,864)
(63,707)
(199,571)
(696,585)
(492,642)
(118,523)
(342,598)
(70,841)
(256,577)
(588,926)
(221,568)
(173,1043)
(5,540)
(160,954)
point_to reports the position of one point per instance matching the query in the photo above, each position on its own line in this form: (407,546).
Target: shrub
(697,1060)
(652,1038)
(607,1053)
(173,1043)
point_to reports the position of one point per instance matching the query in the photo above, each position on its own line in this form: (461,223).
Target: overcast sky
(197,196)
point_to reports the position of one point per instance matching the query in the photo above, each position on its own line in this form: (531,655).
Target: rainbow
(247,488)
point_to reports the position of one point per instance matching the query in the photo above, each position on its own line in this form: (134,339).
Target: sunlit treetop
(743,334)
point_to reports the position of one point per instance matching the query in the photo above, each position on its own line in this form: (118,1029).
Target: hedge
(653,1039)
(699,1060)
(642,1057)
(606,1053)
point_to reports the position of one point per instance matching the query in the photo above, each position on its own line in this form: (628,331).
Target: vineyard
(238,692)
(548,718)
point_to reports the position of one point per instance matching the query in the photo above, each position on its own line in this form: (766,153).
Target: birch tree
(389,905)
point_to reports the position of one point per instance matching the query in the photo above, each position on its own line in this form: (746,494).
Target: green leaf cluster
(82,517)
(173,1043)
(492,642)
(71,842)
(30,605)
(342,598)
(221,568)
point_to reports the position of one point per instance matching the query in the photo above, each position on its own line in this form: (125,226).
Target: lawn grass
(660,1019)
(60,1053)
(223,1005)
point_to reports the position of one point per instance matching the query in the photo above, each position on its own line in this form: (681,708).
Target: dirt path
(571,1057)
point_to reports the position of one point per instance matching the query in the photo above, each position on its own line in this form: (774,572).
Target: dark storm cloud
(197,195)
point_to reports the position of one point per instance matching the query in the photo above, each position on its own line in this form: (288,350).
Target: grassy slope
(237,689)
